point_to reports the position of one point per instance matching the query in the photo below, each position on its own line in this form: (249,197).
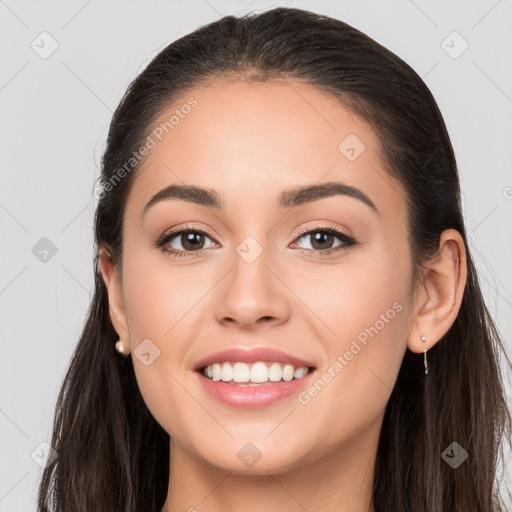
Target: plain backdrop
(64,67)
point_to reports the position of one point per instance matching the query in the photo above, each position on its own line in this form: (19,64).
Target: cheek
(163,305)
(363,306)
(159,297)
(345,298)
(154,307)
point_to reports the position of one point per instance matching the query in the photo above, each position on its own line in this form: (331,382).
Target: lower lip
(245,395)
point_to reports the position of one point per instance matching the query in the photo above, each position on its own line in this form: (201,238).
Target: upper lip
(252,355)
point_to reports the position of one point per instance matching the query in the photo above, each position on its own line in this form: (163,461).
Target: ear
(113,282)
(439,296)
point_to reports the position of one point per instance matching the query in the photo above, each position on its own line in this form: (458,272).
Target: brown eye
(184,242)
(191,241)
(322,240)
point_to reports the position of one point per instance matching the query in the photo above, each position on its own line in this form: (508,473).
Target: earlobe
(113,284)
(438,302)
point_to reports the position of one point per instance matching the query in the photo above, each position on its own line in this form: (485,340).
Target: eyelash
(347,240)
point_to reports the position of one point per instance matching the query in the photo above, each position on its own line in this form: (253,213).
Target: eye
(321,239)
(192,241)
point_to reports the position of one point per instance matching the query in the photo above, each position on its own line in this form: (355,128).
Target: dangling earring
(424,340)
(120,347)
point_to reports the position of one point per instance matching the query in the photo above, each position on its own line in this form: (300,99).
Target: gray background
(55,114)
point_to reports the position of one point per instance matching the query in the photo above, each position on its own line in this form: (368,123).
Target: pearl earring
(120,347)
(424,340)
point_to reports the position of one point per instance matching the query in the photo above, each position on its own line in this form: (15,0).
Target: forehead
(249,141)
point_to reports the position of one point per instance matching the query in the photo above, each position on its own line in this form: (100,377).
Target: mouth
(248,377)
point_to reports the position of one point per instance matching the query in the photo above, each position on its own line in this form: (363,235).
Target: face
(323,278)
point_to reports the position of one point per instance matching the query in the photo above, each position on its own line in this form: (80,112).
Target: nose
(252,294)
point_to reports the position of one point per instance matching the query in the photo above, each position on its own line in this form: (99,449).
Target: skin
(250,142)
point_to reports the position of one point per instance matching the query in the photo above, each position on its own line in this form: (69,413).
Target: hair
(112,453)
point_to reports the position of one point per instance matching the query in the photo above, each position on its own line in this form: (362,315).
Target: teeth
(241,372)
(258,373)
(226,372)
(275,372)
(216,372)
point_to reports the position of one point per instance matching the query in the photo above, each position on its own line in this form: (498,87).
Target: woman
(283,268)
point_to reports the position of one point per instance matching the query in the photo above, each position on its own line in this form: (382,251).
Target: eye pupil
(194,239)
(320,238)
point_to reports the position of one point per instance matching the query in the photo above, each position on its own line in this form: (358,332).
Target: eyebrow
(289,198)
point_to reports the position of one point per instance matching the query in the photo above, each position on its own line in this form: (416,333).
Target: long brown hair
(114,456)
